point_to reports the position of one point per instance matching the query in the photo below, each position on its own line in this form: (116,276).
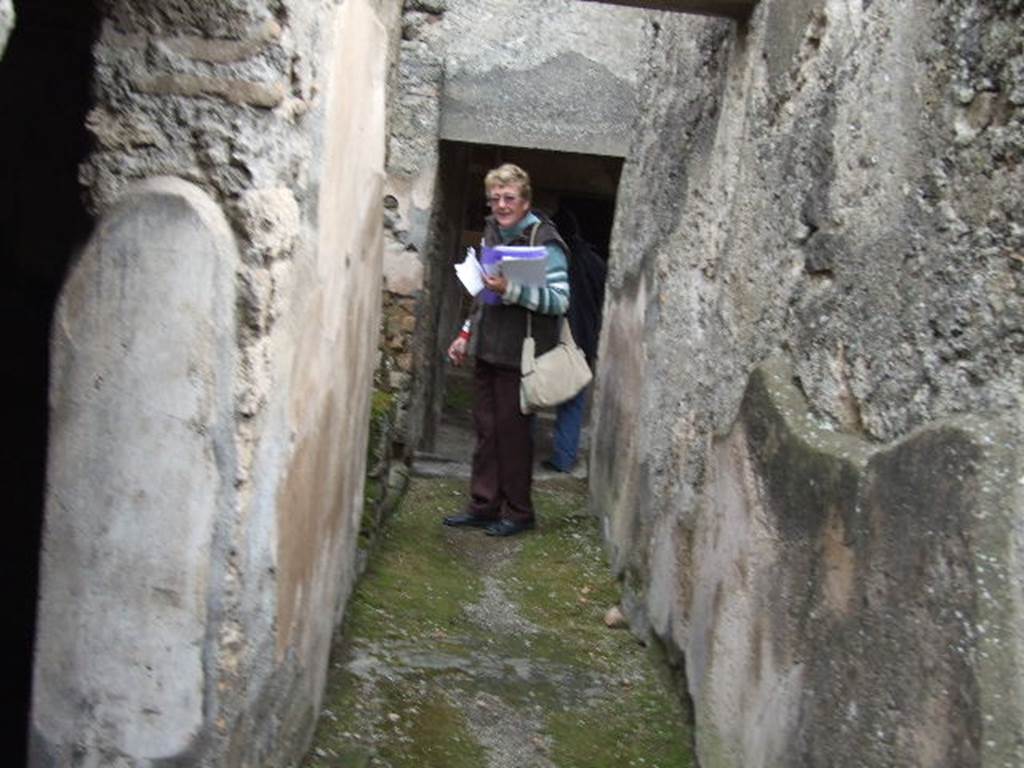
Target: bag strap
(565,332)
(565,337)
(529,313)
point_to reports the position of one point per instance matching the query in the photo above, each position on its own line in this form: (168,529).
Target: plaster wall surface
(140,477)
(833,184)
(6,22)
(275,114)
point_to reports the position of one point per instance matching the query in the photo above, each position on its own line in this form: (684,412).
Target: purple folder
(491,256)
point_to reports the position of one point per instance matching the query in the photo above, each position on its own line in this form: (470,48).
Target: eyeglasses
(506,199)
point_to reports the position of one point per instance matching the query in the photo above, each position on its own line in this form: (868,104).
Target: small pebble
(614,619)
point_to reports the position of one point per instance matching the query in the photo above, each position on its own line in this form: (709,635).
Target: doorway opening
(45,82)
(585,185)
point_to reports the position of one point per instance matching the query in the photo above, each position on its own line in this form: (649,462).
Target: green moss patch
(418,582)
(458,392)
(458,648)
(635,724)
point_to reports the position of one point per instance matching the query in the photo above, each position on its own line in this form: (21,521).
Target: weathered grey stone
(823,252)
(224,51)
(830,184)
(6,22)
(793,34)
(139,482)
(403,270)
(117,132)
(428,6)
(853,605)
(737,9)
(216,18)
(266,95)
(568,75)
(272,220)
(300,181)
(574,105)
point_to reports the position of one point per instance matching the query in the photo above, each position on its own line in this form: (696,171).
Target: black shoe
(550,465)
(468,520)
(509,527)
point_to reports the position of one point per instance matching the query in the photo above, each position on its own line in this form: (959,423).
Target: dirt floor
(464,651)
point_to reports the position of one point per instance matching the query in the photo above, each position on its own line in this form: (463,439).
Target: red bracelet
(464,334)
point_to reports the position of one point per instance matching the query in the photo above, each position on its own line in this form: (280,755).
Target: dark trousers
(503,456)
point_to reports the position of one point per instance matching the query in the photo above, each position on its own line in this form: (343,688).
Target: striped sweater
(496,331)
(551,299)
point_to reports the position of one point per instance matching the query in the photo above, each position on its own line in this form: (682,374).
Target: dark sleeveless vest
(499,329)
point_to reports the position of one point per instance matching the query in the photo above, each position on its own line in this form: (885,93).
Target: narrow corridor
(460,650)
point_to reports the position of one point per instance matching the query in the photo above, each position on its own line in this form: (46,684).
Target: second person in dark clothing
(587,272)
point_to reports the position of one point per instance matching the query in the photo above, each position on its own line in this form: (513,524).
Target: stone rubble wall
(272,116)
(833,186)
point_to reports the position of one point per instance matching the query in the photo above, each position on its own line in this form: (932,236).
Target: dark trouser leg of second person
(515,447)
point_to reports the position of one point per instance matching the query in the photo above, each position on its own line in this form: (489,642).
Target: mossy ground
(462,651)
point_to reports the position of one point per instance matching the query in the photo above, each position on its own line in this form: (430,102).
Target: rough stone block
(853,604)
(139,478)
(271,220)
(122,131)
(735,9)
(6,22)
(403,271)
(265,95)
(223,51)
(578,106)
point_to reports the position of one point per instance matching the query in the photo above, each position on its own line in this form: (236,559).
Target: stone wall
(6,22)
(213,363)
(543,74)
(834,539)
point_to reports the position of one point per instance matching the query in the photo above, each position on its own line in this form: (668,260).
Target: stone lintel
(578,106)
(733,9)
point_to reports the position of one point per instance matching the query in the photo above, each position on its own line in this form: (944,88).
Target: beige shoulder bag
(554,377)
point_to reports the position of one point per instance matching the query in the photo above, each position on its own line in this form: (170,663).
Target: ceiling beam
(733,9)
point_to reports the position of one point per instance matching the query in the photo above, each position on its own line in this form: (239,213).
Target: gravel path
(462,651)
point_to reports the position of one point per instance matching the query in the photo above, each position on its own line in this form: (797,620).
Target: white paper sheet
(527,272)
(470,274)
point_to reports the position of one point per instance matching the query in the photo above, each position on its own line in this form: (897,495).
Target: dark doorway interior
(44,95)
(585,184)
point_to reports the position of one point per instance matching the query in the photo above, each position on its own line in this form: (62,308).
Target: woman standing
(502,472)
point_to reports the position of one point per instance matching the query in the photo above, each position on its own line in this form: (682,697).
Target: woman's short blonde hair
(505,176)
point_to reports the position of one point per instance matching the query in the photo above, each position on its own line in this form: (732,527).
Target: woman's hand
(497,283)
(457,350)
